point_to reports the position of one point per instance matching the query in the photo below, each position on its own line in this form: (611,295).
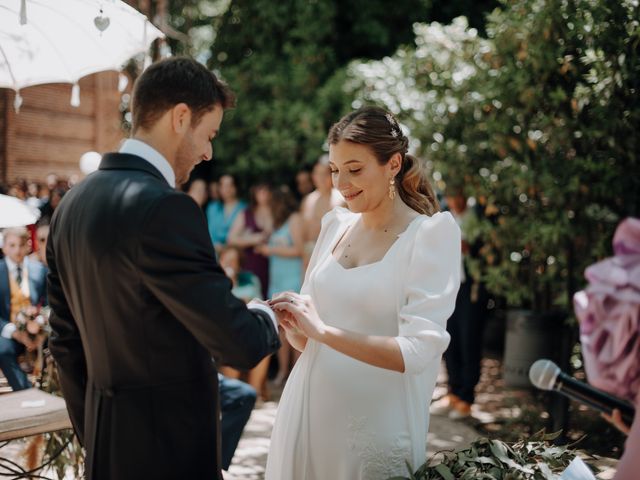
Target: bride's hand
(287,321)
(302,313)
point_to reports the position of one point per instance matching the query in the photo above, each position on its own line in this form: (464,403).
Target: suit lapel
(5,290)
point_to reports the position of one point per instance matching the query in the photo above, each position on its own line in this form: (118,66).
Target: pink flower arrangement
(34,320)
(609,314)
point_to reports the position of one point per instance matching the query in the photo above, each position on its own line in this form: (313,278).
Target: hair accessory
(394,125)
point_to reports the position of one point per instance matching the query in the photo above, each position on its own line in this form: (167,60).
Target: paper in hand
(577,470)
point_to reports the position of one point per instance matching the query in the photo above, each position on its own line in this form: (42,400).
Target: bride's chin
(354,207)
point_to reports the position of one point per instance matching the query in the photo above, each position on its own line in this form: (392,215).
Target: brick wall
(49,135)
(3,134)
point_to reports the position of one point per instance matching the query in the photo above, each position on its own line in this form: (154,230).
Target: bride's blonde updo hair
(378,129)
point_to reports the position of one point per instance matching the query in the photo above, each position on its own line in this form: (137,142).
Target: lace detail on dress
(377,463)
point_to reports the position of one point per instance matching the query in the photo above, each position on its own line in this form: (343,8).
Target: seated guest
(236,403)
(22,285)
(246,286)
(237,399)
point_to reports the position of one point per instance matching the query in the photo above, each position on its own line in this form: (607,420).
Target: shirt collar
(151,155)
(12,266)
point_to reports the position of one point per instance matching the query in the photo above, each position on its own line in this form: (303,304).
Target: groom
(139,302)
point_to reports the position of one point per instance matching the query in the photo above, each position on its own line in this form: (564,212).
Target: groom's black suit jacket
(139,308)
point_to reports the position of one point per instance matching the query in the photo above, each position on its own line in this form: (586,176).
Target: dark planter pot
(494,333)
(531,336)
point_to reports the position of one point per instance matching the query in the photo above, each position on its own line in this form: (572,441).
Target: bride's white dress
(342,419)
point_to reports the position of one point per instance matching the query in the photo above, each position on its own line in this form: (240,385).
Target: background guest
(252,228)
(52,203)
(285,250)
(304,184)
(222,213)
(466,324)
(22,286)
(212,188)
(246,286)
(40,251)
(323,199)
(197,189)
(33,195)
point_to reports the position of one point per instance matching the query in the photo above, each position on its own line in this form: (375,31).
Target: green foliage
(537,122)
(532,459)
(286,62)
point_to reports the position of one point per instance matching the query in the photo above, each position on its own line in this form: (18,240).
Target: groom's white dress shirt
(151,155)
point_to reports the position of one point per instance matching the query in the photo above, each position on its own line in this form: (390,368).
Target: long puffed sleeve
(430,287)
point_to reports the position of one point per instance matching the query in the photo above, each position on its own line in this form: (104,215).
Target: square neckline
(384,257)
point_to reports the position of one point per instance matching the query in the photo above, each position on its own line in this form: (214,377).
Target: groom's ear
(180,118)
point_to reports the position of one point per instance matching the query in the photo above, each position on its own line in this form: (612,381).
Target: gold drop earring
(392,189)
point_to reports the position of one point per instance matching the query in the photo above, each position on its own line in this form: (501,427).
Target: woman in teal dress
(284,249)
(222,213)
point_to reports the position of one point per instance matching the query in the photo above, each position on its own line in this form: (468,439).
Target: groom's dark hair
(172,81)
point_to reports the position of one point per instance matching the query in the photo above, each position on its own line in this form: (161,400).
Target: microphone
(546,375)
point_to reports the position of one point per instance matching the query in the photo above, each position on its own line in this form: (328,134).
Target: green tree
(538,122)
(286,61)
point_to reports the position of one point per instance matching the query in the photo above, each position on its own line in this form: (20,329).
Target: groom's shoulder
(172,206)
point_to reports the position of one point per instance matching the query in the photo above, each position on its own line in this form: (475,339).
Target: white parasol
(16,213)
(61,41)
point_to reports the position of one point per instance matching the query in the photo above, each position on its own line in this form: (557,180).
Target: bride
(370,321)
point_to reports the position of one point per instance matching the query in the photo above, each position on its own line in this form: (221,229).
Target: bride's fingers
(286,324)
(286,298)
(281,297)
(291,326)
(293,308)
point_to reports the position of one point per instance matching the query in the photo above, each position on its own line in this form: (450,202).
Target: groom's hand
(258,304)
(260,301)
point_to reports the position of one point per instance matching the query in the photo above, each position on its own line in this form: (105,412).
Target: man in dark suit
(139,302)
(22,285)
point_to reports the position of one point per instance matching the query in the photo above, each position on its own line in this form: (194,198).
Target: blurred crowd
(45,197)
(263,237)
